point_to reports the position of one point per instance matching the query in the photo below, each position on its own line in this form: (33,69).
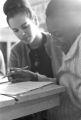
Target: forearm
(45,78)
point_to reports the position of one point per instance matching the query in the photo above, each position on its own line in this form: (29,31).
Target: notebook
(22,87)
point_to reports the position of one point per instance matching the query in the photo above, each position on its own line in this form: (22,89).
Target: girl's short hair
(12,7)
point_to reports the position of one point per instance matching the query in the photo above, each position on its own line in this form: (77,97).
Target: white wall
(3,22)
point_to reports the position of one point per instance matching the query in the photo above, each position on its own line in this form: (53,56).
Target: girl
(36,49)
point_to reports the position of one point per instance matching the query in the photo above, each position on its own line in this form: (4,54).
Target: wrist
(59,75)
(35,77)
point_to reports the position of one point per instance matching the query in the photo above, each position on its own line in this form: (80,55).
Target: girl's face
(23,27)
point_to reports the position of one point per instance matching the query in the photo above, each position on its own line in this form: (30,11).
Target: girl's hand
(19,75)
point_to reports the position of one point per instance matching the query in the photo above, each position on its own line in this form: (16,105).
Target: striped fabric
(66,110)
(70,102)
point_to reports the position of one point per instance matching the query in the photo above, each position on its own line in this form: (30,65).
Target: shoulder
(48,43)
(18,47)
(75,49)
(49,39)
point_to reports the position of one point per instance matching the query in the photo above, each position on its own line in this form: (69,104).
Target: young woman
(36,49)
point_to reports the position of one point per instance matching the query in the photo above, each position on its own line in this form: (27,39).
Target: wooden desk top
(44,91)
(6,101)
(34,101)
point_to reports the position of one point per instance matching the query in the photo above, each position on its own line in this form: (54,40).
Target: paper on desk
(3,80)
(22,87)
(5,101)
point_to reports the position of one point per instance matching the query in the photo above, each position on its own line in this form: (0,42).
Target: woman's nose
(22,33)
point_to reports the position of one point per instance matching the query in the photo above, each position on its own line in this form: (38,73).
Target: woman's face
(23,27)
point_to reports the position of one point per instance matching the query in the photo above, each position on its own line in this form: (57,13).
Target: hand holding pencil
(13,70)
(20,75)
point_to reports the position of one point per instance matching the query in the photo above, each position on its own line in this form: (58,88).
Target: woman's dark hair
(12,7)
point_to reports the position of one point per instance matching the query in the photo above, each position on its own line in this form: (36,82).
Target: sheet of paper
(5,101)
(22,87)
(3,80)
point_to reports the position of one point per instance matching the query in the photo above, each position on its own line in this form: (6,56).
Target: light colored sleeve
(2,63)
(71,78)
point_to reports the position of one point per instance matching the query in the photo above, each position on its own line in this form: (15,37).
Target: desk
(31,102)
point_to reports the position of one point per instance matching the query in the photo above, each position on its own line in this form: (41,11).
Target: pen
(14,70)
(18,69)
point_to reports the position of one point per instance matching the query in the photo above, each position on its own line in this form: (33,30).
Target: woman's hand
(19,75)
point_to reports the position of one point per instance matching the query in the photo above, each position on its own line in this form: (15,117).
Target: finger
(17,80)
(10,73)
(10,79)
(15,69)
(21,74)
